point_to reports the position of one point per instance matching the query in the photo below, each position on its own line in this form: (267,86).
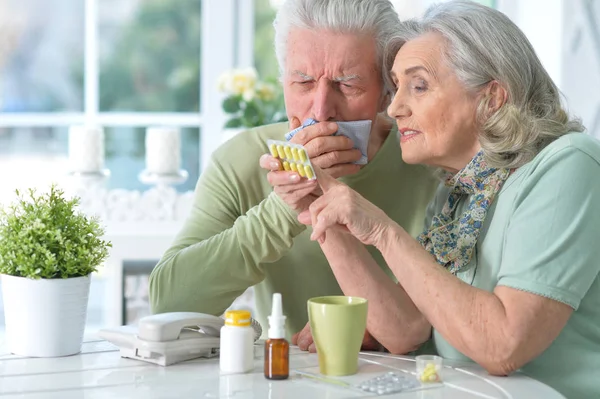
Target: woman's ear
(497,96)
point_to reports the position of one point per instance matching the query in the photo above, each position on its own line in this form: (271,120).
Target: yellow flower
(237,81)
(243,80)
(265,91)
(248,95)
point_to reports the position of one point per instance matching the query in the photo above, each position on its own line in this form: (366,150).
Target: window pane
(265,62)
(126,157)
(149,55)
(35,157)
(31,157)
(41,62)
(264,33)
(489,3)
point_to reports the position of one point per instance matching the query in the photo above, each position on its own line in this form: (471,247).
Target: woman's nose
(398,108)
(324,107)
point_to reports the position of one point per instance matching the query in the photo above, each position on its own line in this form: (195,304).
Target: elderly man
(240,233)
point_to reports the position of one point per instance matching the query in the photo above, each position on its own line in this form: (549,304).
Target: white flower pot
(45,317)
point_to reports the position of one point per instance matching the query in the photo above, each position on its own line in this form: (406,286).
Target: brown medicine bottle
(277,359)
(277,349)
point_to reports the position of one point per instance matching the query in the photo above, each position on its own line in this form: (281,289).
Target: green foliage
(250,102)
(44,236)
(152,64)
(264,39)
(234,123)
(232,104)
(154,61)
(256,112)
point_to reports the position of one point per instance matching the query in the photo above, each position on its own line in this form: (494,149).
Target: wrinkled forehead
(428,49)
(327,53)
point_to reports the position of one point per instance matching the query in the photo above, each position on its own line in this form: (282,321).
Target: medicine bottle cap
(237,318)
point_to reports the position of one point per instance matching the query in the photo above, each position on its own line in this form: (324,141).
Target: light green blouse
(542,235)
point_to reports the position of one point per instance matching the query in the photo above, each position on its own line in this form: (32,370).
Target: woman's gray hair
(345,16)
(484,45)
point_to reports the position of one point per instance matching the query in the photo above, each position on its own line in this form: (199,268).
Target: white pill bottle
(237,343)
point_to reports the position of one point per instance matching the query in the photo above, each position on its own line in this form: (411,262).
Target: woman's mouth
(408,134)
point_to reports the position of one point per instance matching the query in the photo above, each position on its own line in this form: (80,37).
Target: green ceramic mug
(338,325)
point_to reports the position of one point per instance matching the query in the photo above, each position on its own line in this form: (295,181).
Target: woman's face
(436,115)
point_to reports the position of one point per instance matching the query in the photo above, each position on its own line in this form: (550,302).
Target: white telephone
(169,338)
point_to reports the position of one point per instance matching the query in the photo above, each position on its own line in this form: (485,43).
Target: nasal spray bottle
(277,349)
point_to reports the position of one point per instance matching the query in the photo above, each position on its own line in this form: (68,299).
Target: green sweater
(240,234)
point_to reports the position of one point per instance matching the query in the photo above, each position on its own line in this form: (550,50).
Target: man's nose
(324,107)
(399,108)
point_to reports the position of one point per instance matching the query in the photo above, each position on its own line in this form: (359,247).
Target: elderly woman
(506,272)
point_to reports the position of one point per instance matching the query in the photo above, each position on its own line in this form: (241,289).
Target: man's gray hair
(484,45)
(377,17)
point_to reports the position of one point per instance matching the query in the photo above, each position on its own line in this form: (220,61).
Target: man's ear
(497,96)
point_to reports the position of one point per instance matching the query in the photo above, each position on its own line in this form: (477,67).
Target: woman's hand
(342,207)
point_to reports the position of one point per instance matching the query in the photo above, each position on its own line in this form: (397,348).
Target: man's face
(332,76)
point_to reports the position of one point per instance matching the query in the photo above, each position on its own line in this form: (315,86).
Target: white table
(99,372)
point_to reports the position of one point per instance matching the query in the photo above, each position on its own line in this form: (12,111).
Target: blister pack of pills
(293,157)
(379,384)
(389,383)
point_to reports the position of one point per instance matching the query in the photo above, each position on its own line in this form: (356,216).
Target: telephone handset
(168,326)
(169,338)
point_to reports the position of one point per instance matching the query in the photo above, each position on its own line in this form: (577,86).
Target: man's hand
(333,154)
(304,340)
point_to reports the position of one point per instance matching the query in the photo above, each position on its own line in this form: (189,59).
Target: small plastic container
(237,343)
(429,368)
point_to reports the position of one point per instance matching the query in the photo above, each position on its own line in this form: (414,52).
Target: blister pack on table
(386,383)
(293,157)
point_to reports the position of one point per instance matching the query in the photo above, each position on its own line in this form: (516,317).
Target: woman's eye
(419,86)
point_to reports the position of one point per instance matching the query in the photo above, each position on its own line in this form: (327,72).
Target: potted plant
(48,250)
(249,102)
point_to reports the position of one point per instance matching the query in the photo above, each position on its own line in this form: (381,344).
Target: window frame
(226,42)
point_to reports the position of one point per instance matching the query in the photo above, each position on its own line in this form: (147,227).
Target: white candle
(86,149)
(163,150)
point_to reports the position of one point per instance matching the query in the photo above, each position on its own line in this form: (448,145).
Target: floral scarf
(452,240)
